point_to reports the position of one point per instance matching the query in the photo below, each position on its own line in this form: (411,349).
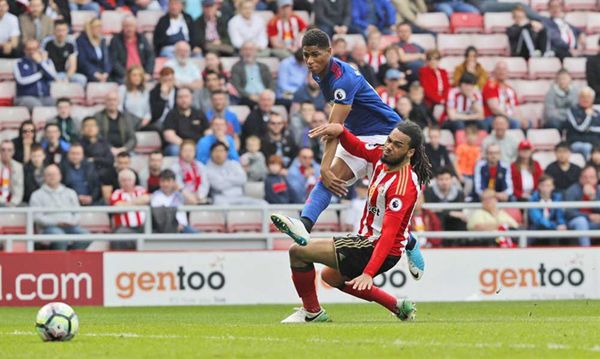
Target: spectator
(562,170)
(220,109)
(115,126)
(404,108)
(508,144)
(470,66)
(122,162)
(552,219)
(212,84)
(358,54)
(253,161)
(150,176)
(437,153)
(168,196)
(227,178)
(339,49)
(492,173)
(173,27)
(464,104)
(374,56)
(53,194)
(300,122)
(11,176)
(318,147)
(419,113)
(565,39)
(277,189)
(445,190)
(54,147)
(527,38)
(285,30)
(595,158)
(309,92)
(303,175)
(98,151)
(34,24)
(407,11)
(22,144)
(392,61)
(490,218)
(592,73)
(333,17)
(162,98)
(256,123)
(277,141)
(559,99)
(526,172)
(9,32)
(192,178)
(583,125)
(62,51)
(247,26)
(218,127)
(134,99)
(467,155)
(130,48)
(182,123)
(187,74)
(69,128)
(212,63)
(499,98)
(449,7)
(33,74)
(434,80)
(372,15)
(81,176)
(391,93)
(412,55)
(128,195)
(585,218)
(33,172)
(93,58)
(291,76)
(249,77)
(211,30)
(85,5)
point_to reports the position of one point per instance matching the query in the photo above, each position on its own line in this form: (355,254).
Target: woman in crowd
(162,98)
(24,141)
(525,172)
(133,96)
(93,59)
(470,65)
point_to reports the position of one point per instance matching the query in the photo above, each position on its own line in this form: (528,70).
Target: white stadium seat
(544,158)
(12,117)
(255,190)
(12,223)
(543,138)
(351,39)
(70,90)
(487,44)
(531,91)
(271,62)
(591,44)
(95,222)
(593,23)
(543,67)
(8,90)
(97,91)
(496,22)
(147,19)
(112,21)
(80,112)
(534,112)
(42,114)
(571,5)
(328,222)
(7,67)
(147,141)
(241,111)
(139,162)
(208,221)
(575,66)
(426,41)
(79,18)
(244,221)
(578,19)
(449,63)
(434,21)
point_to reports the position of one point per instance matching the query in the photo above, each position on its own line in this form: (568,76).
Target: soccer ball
(57,322)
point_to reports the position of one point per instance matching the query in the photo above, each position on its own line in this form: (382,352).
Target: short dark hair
(544,178)
(316,37)
(76,144)
(60,22)
(443,171)
(219,92)
(596,149)
(157,152)
(166,175)
(468,78)
(36,146)
(217,144)
(562,144)
(469,49)
(52,124)
(63,99)
(89,118)
(123,154)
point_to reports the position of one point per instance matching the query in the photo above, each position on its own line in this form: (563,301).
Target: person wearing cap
(583,124)
(211,30)
(369,15)
(391,92)
(174,26)
(526,172)
(464,104)
(285,29)
(434,79)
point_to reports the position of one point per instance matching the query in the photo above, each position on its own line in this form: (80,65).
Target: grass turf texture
(565,329)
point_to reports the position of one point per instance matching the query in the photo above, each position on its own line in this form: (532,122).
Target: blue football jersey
(369,115)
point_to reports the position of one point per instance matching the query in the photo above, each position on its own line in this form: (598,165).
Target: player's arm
(351,143)
(338,115)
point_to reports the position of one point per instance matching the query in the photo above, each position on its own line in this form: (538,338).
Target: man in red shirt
(401,168)
(285,29)
(499,98)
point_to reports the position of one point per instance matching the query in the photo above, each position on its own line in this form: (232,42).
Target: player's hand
(334,183)
(362,282)
(330,130)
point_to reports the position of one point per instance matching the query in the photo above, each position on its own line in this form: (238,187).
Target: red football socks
(374,294)
(304,281)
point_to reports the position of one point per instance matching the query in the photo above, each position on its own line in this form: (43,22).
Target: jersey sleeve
(356,147)
(394,224)
(345,89)
(490,91)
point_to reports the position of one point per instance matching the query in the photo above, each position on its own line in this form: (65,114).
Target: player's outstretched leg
(416,263)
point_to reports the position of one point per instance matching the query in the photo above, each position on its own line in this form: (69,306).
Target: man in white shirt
(168,196)
(187,74)
(9,31)
(248,26)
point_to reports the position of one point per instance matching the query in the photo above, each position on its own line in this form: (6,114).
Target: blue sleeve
(537,219)
(345,88)
(560,213)
(357,20)
(203,149)
(83,63)
(237,128)
(390,13)
(232,152)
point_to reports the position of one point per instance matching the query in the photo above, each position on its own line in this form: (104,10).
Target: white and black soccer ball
(57,322)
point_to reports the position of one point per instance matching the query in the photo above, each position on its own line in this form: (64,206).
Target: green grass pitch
(565,329)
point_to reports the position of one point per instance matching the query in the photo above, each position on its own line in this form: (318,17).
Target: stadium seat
(159,63)
(281,110)
(516,214)
(577,159)
(304,15)
(8,134)
(345,227)
(79,18)
(517,66)
(593,23)
(531,91)
(78,113)
(447,139)
(147,141)
(571,5)
(265,14)
(426,41)
(496,22)
(7,69)
(11,117)
(70,90)
(8,90)
(241,111)
(539,5)
(139,162)
(466,23)
(13,223)
(168,161)
(387,40)
(97,91)
(228,63)
(328,222)
(575,66)
(577,19)
(591,44)
(147,19)
(112,21)
(449,63)
(516,133)
(42,114)
(208,221)
(434,21)
(490,44)
(95,222)
(244,221)
(351,39)
(255,190)
(543,139)
(543,67)
(534,112)
(544,158)
(271,62)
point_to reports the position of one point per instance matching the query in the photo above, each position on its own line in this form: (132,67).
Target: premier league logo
(395,205)
(339,94)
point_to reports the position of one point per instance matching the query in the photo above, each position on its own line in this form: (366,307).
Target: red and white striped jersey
(506,95)
(128,219)
(389,99)
(375,59)
(390,204)
(461,103)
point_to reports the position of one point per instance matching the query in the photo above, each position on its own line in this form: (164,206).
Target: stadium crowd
(222,127)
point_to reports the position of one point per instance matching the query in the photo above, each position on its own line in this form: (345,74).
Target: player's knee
(332,277)
(295,252)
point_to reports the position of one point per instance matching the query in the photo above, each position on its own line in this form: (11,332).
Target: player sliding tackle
(364,114)
(400,168)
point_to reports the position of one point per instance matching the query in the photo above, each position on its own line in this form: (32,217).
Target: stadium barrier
(265,238)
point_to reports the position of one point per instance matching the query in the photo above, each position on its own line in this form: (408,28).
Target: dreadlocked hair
(316,37)
(419,161)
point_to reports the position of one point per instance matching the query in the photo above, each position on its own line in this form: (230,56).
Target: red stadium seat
(8,90)
(95,222)
(42,114)
(575,66)
(244,221)
(147,19)
(577,19)
(426,41)
(531,91)
(147,142)
(466,23)
(7,67)
(97,91)
(543,139)
(13,223)
(208,221)
(71,90)
(543,67)
(328,222)
(112,21)
(79,18)
(434,21)
(12,117)
(496,22)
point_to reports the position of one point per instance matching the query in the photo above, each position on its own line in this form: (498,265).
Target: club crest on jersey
(370,146)
(339,94)
(395,205)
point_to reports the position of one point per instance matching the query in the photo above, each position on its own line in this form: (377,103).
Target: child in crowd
(253,160)
(467,155)
(277,190)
